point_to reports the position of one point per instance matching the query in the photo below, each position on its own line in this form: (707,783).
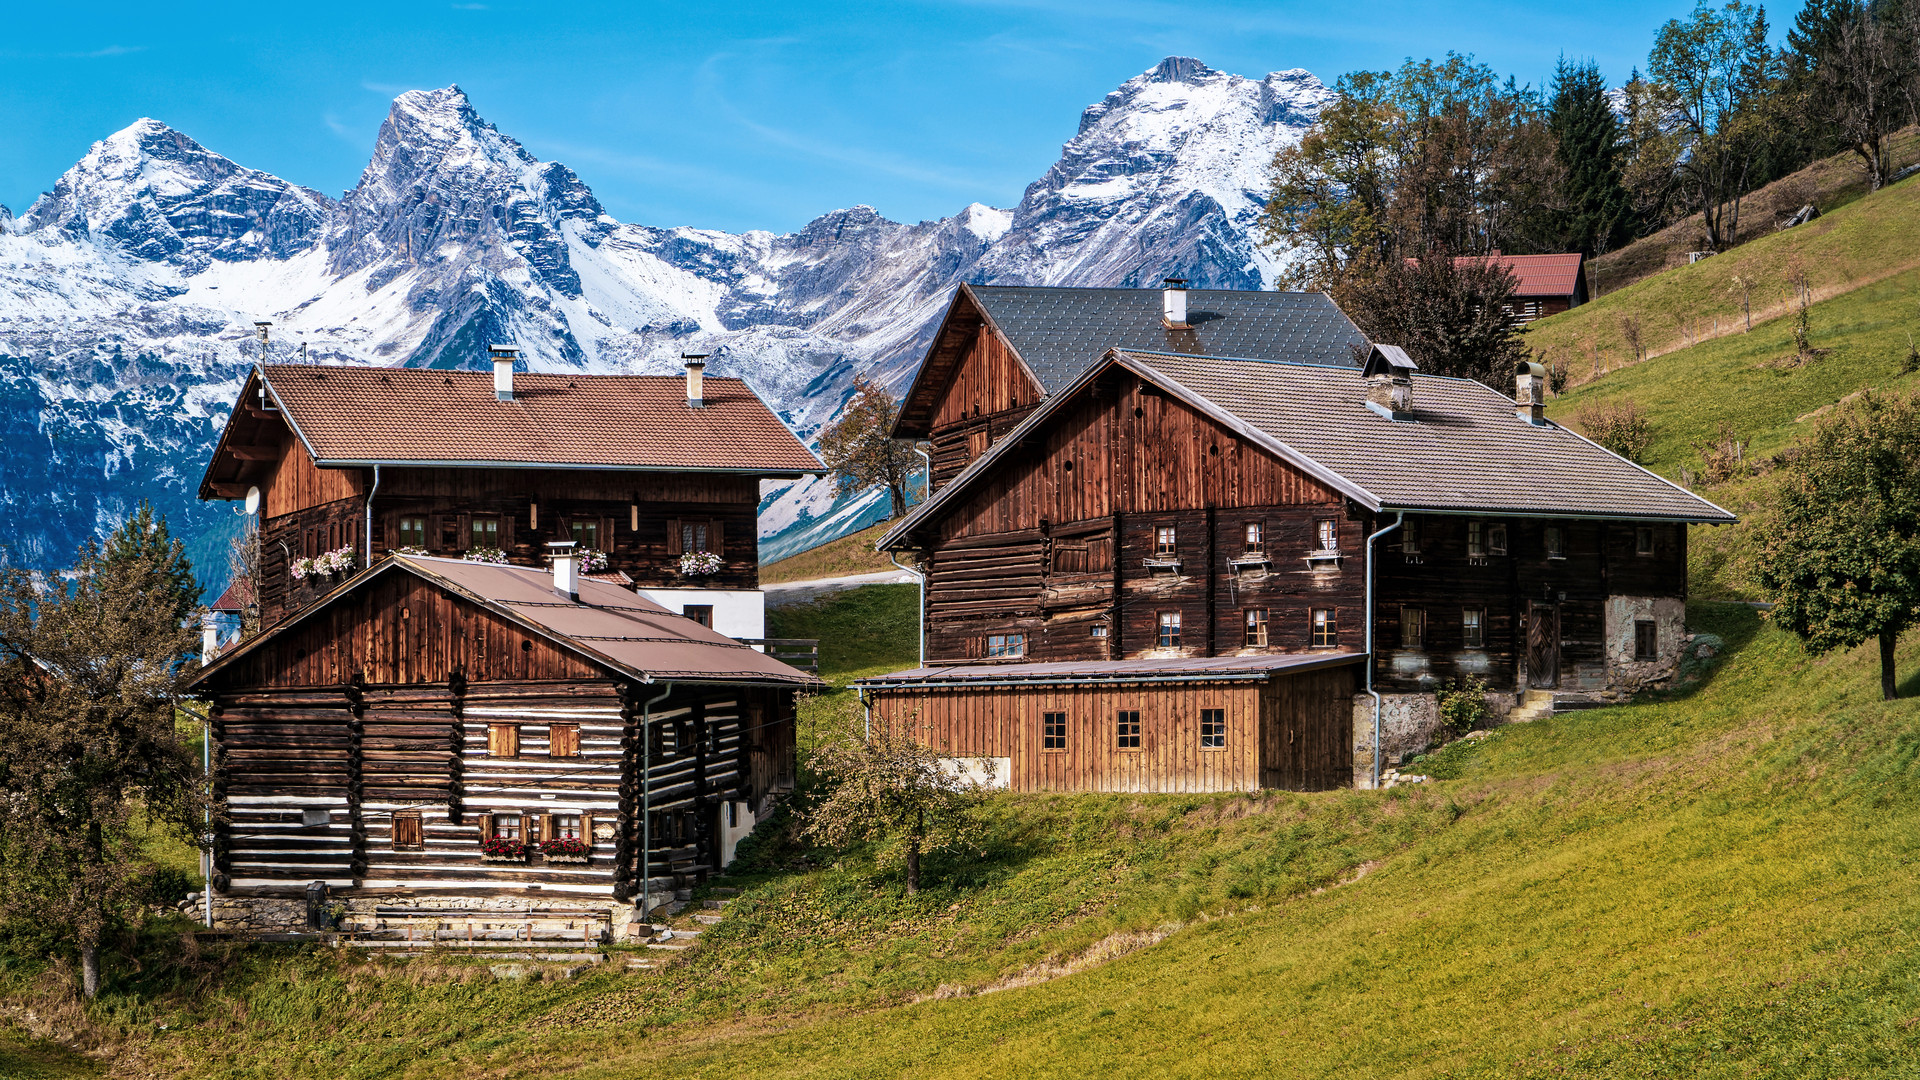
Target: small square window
(413,533)
(1169,635)
(1256,538)
(586,534)
(1410,536)
(406,829)
(1556,543)
(1326,630)
(1165,541)
(700,613)
(693,537)
(1496,539)
(1053,731)
(1213,729)
(1256,619)
(1098,630)
(484,533)
(1473,628)
(1000,646)
(1643,540)
(1413,628)
(506,826)
(567,827)
(1646,639)
(1329,535)
(1128,730)
(1476,540)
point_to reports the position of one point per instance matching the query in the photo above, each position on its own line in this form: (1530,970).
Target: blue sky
(732,116)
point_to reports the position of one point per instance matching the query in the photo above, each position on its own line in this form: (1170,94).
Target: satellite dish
(253,500)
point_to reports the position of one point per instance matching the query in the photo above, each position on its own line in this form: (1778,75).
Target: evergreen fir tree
(143,540)
(1587,145)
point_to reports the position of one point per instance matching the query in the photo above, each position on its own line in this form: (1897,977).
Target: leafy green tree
(1451,315)
(1838,549)
(1597,211)
(1851,75)
(859,449)
(143,541)
(890,788)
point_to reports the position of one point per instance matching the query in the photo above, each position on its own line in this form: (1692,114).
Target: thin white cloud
(111,50)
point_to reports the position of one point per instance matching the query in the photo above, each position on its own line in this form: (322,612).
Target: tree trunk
(913,867)
(90,970)
(898,493)
(1888,689)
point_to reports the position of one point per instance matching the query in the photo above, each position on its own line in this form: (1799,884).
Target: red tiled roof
(367,415)
(237,597)
(1539,275)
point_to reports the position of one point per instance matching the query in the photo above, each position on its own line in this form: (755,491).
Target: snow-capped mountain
(128,294)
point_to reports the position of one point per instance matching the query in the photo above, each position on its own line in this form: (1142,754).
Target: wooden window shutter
(586,830)
(406,829)
(546,827)
(673,537)
(503,740)
(484,822)
(714,543)
(563,740)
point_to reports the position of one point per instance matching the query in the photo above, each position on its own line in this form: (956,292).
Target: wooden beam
(255,453)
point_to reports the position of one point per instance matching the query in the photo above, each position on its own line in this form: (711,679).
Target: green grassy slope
(852,554)
(1720,884)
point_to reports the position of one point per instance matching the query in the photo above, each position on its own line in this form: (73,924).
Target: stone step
(669,946)
(708,919)
(714,905)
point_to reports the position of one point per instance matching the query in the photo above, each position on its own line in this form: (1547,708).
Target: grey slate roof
(1059,332)
(1463,451)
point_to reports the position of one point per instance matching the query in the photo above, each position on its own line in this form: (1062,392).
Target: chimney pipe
(209,638)
(696,368)
(566,580)
(1530,393)
(503,358)
(1173,304)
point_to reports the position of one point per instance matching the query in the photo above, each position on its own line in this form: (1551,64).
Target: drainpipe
(866,708)
(646,798)
(375,490)
(206,761)
(1371,692)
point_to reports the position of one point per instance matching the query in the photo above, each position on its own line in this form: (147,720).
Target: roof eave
(462,463)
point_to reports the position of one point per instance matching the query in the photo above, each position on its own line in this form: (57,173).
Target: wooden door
(1543,645)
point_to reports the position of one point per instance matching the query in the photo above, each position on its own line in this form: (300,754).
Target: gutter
(1398,521)
(1120,679)
(375,490)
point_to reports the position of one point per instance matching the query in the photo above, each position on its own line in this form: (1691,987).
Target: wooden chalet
(382,736)
(1160,511)
(348,463)
(1543,284)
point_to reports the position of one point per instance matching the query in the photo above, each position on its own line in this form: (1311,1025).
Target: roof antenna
(261,325)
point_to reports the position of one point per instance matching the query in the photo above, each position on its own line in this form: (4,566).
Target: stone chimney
(1530,392)
(1389,374)
(503,358)
(696,369)
(566,566)
(1173,304)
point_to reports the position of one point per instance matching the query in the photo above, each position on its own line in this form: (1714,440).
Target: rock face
(128,293)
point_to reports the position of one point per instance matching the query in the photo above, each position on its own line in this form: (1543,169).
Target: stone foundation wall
(285,915)
(1409,725)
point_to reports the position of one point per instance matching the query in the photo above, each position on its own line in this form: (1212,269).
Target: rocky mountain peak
(158,195)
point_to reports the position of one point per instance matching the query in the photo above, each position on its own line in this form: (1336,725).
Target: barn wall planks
(296,483)
(1289,733)
(985,396)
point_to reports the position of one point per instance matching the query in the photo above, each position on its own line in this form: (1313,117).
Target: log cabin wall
(1445,582)
(987,395)
(1033,550)
(1290,732)
(366,713)
(723,507)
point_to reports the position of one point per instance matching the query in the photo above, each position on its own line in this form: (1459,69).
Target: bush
(1619,426)
(1463,704)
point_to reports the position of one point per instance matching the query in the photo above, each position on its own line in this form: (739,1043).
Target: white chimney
(209,638)
(566,581)
(503,358)
(1530,393)
(696,368)
(1173,304)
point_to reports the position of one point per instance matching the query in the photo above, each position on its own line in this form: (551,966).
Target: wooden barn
(1543,284)
(1311,499)
(348,463)
(437,732)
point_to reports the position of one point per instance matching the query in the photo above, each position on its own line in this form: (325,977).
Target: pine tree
(143,539)
(1587,146)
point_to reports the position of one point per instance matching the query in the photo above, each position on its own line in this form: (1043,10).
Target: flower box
(701,564)
(521,858)
(581,859)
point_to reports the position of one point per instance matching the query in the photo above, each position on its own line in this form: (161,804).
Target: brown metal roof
(369,415)
(1538,275)
(1184,669)
(608,625)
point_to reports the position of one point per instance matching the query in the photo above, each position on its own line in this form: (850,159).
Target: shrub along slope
(1719,884)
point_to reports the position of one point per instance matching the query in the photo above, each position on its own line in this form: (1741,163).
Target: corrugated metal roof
(608,624)
(362,415)
(1462,450)
(1192,668)
(1058,332)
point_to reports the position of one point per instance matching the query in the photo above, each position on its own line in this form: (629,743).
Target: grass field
(1719,884)
(851,554)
